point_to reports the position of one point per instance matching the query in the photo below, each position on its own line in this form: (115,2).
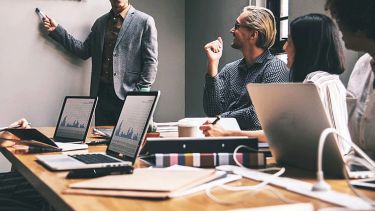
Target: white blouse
(361,104)
(333,95)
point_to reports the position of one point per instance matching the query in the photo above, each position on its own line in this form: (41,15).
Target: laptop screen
(132,124)
(74,119)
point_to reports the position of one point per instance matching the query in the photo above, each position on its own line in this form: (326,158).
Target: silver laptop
(293,117)
(74,120)
(72,126)
(125,141)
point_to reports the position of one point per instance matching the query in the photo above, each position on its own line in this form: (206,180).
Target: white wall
(36,73)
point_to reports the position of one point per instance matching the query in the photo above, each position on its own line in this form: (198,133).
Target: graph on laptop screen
(75,118)
(130,126)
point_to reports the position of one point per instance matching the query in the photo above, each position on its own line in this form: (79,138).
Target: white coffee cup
(188,129)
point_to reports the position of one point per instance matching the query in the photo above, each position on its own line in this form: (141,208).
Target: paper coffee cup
(187,129)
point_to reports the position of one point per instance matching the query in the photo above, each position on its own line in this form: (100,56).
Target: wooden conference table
(51,184)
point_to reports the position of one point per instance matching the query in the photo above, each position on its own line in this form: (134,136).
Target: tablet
(32,136)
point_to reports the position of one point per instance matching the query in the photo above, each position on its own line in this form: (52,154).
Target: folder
(146,183)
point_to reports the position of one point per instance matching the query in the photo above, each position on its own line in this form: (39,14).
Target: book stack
(209,160)
(203,152)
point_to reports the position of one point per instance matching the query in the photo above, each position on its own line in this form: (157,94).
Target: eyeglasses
(238,25)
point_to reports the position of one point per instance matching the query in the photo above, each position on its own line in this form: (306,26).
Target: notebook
(72,126)
(125,141)
(153,183)
(293,117)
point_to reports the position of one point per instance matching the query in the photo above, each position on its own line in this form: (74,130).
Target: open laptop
(74,120)
(293,117)
(72,126)
(125,141)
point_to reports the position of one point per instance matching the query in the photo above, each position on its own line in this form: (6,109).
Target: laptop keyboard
(94,158)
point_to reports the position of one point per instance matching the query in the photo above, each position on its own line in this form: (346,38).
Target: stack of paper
(166,127)
(226,123)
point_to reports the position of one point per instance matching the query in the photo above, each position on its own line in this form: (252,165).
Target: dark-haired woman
(314,56)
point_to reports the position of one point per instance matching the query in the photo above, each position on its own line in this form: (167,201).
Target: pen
(98,132)
(216,120)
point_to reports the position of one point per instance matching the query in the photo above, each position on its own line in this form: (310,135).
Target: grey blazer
(134,57)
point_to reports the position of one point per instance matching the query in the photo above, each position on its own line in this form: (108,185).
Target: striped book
(208,160)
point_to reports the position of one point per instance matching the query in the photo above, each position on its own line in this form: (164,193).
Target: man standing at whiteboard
(124,50)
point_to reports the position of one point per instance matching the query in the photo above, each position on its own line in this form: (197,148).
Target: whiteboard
(35,72)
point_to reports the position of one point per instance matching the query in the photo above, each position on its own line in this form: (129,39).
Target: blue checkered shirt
(226,93)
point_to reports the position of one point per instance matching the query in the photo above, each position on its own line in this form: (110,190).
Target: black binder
(198,145)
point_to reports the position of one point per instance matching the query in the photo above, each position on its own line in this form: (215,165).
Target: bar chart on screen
(75,118)
(131,124)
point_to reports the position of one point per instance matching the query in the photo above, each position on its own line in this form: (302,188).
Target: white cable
(238,163)
(366,161)
(321,185)
(236,151)
(255,188)
(356,160)
(322,141)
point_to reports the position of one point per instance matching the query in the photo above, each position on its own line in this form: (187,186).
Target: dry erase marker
(40,13)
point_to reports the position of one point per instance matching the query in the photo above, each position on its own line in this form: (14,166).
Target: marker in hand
(40,13)
(48,23)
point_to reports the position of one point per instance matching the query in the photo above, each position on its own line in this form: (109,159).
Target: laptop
(125,142)
(72,125)
(293,117)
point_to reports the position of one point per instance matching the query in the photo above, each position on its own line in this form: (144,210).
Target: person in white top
(356,22)
(314,56)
